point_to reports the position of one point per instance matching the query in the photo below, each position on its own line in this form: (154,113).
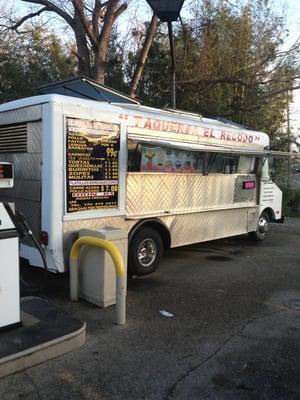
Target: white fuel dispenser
(9,258)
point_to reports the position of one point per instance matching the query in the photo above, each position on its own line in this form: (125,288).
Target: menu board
(92,165)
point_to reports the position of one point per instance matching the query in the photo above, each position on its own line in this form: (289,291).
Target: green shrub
(291,202)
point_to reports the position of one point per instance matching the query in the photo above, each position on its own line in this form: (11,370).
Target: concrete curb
(43,352)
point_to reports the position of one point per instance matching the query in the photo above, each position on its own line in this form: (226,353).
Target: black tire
(32,279)
(263,228)
(145,252)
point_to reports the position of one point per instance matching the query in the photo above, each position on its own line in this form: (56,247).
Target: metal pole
(288,132)
(173,68)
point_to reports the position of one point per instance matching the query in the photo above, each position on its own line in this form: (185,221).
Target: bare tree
(92,23)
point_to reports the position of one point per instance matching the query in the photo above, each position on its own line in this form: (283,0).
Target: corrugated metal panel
(253,215)
(242,195)
(26,194)
(155,193)
(200,227)
(267,193)
(31,210)
(23,189)
(34,138)
(160,193)
(184,228)
(27,166)
(20,115)
(72,226)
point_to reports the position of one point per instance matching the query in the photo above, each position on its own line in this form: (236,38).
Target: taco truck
(85,156)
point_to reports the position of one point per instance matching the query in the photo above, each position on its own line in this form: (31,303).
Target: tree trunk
(103,42)
(83,53)
(151,32)
(100,64)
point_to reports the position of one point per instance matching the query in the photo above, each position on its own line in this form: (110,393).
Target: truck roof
(145,115)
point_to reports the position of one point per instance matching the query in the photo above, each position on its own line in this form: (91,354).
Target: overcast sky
(139,10)
(290,7)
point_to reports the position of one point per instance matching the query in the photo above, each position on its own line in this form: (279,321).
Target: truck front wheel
(145,252)
(263,227)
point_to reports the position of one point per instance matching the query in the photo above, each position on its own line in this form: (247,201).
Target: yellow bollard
(119,267)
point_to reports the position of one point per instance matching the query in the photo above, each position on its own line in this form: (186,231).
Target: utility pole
(288,119)
(288,131)
(173,67)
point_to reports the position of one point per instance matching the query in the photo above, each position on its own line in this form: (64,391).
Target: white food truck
(168,177)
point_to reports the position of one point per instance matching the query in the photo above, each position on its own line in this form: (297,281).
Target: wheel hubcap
(263,225)
(147,252)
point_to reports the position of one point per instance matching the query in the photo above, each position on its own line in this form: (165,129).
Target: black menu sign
(92,165)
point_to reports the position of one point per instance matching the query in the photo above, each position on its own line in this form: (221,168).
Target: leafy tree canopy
(230,64)
(28,61)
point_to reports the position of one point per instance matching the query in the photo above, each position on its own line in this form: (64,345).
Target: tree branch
(79,7)
(119,11)
(258,105)
(87,8)
(108,20)
(96,16)
(110,17)
(24,19)
(140,66)
(54,8)
(80,58)
(235,81)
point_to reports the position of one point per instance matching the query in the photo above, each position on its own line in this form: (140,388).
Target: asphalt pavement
(234,333)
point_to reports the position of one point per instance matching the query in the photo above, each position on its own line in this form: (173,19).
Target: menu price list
(92,165)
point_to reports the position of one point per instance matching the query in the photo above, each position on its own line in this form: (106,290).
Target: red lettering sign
(249,184)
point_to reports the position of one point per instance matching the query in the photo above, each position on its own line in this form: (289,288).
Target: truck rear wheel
(145,252)
(263,228)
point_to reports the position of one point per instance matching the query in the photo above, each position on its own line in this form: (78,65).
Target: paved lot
(234,335)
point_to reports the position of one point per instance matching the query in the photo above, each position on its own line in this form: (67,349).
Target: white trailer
(169,178)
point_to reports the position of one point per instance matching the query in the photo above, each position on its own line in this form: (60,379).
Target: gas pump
(9,261)
(47,332)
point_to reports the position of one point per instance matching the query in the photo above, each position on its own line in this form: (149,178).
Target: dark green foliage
(290,201)
(154,87)
(114,76)
(229,64)
(283,175)
(28,61)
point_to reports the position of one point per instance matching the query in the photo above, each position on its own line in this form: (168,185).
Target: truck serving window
(222,163)
(246,165)
(134,156)
(156,158)
(170,160)
(229,164)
